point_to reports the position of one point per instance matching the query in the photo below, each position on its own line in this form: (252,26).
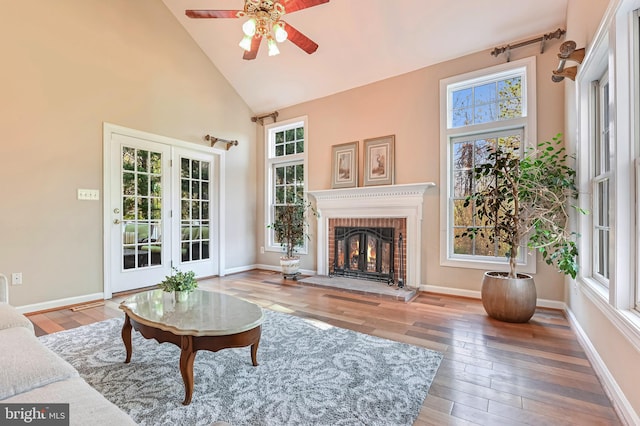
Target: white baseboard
(268,267)
(239,269)
(541,303)
(53,304)
(620,402)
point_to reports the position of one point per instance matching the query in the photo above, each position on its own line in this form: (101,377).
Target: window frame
(635,50)
(614,50)
(527,123)
(601,170)
(271,162)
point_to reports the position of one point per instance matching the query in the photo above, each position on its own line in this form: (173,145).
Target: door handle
(116,221)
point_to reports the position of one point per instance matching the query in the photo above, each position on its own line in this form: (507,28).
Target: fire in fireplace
(364,252)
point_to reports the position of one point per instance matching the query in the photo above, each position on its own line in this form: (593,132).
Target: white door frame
(219,185)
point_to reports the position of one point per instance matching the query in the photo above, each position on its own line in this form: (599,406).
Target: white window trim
(597,94)
(270,160)
(612,48)
(528,123)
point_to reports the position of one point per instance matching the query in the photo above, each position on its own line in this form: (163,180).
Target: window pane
(290,148)
(486,102)
(485,113)
(462,216)
(128,184)
(461,99)
(142,160)
(485,94)
(462,117)
(463,155)
(195,169)
(128,158)
(156,163)
(143,184)
(184,167)
(279,175)
(290,135)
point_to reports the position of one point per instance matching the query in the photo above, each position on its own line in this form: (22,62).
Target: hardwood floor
(493,373)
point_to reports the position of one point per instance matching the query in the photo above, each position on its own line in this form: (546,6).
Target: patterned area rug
(309,373)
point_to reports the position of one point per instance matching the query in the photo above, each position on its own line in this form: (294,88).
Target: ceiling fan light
(245,43)
(249,27)
(279,32)
(273,47)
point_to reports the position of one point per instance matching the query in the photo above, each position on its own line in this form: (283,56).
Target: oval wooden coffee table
(206,321)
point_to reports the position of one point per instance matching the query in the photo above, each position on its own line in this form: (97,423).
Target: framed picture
(379,160)
(344,165)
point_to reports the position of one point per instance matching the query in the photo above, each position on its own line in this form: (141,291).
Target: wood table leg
(187,356)
(126,337)
(254,353)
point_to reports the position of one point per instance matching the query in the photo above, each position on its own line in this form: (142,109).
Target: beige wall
(614,350)
(67,67)
(408,107)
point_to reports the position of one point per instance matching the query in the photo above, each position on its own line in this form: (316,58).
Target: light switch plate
(89,194)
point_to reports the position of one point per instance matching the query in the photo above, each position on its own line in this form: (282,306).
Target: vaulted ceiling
(362,41)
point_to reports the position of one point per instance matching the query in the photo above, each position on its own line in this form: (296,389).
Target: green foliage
(180,281)
(528,197)
(290,226)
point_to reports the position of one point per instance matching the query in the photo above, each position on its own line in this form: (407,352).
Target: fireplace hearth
(364,252)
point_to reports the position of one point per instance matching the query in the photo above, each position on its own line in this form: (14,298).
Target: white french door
(160,211)
(193,222)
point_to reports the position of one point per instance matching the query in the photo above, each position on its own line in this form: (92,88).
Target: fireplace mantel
(389,201)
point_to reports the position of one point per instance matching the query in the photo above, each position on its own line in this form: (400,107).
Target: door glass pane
(372,243)
(141,207)
(195,198)
(354,252)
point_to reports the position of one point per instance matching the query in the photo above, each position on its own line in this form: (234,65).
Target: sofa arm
(10,317)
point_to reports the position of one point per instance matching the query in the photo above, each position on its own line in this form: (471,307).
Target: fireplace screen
(364,253)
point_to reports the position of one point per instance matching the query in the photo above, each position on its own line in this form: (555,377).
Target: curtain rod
(556,34)
(215,140)
(260,119)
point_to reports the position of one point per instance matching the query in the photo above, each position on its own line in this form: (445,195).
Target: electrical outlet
(16,278)
(261,250)
(89,194)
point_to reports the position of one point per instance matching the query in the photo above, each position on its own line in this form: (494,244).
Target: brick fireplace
(385,234)
(397,206)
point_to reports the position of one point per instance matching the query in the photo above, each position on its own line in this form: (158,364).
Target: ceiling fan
(265,21)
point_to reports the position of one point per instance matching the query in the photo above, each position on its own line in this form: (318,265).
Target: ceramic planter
(509,299)
(290,265)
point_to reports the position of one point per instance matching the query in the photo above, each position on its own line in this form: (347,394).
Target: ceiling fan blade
(255,45)
(212,13)
(293,5)
(299,39)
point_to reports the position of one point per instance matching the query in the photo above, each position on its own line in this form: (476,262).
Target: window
(286,168)
(636,104)
(479,110)
(467,153)
(608,148)
(600,182)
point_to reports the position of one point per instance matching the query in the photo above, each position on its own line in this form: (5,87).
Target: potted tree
(290,229)
(181,283)
(520,200)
